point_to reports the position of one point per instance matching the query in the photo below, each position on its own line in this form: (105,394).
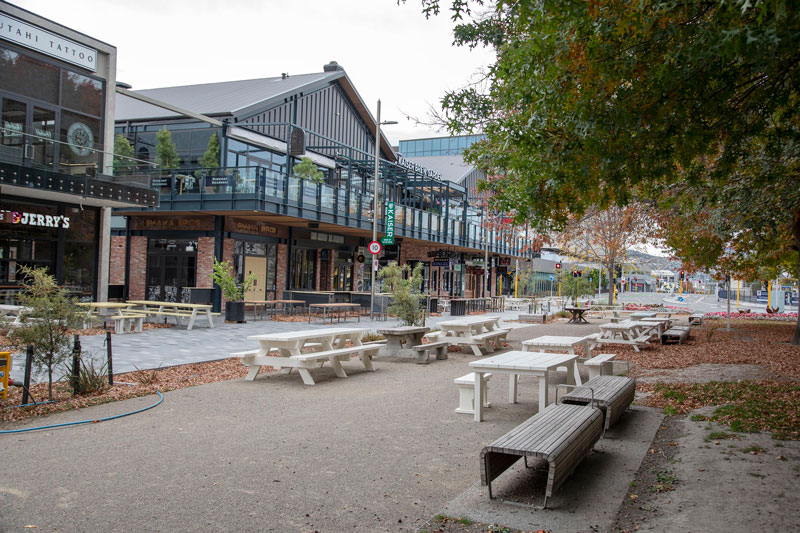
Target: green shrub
(406,292)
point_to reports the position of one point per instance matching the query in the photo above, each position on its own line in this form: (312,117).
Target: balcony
(259,189)
(31,163)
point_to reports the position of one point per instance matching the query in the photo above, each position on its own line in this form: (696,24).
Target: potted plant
(233,291)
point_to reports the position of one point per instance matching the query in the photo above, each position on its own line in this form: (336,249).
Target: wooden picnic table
(335,309)
(177,309)
(289,346)
(274,303)
(105,309)
(401,340)
(516,363)
(577,315)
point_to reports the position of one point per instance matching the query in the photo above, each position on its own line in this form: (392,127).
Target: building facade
(276,175)
(56,184)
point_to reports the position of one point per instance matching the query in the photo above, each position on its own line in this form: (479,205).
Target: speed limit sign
(374,247)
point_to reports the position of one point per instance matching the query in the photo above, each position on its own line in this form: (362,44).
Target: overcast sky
(389,51)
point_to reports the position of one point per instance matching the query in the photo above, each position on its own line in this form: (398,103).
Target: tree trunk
(611,285)
(796,231)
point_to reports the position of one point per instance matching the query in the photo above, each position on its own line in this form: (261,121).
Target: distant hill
(646,262)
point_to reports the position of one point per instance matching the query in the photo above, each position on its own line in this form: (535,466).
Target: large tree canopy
(689,106)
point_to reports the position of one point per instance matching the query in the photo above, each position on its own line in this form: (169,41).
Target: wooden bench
(612,394)
(696,319)
(561,434)
(424,351)
(600,364)
(676,335)
(466,392)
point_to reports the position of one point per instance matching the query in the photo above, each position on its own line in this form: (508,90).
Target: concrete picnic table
(557,343)
(517,363)
(400,340)
(577,315)
(177,309)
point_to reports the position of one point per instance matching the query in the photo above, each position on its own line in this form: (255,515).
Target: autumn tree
(692,106)
(605,236)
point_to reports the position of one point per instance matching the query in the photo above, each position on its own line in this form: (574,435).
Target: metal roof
(221,98)
(451,167)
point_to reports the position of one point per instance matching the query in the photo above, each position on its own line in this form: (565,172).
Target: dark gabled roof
(242,99)
(222,98)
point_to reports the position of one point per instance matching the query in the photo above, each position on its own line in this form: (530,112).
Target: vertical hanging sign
(389,222)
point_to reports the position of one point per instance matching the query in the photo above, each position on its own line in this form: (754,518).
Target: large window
(171,269)
(303,271)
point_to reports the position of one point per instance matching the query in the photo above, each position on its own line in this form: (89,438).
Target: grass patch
(464,521)
(665,481)
(720,435)
(746,406)
(755,449)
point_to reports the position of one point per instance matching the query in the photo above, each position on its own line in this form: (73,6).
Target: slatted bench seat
(696,319)
(600,364)
(674,335)
(424,351)
(466,392)
(612,394)
(561,434)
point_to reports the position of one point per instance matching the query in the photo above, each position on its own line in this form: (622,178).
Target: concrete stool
(466,392)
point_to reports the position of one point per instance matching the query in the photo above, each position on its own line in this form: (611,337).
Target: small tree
(308,170)
(123,154)
(48,317)
(576,287)
(224,276)
(406,293)
(210,159)
(166,151)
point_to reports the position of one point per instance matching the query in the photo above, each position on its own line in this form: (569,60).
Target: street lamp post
(375,207)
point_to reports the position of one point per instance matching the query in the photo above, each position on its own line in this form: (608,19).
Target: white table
(401,340)
(663,323)
(465,330)
(12,310)
(628,332)
(556,343)
(291,343)
(642,314)
(517,363)
(177,309)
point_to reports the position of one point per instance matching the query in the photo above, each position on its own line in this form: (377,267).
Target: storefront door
(27,133)
(256,266)
(171,268)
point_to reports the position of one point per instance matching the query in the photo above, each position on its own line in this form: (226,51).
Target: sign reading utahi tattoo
(34,219)
(48,43)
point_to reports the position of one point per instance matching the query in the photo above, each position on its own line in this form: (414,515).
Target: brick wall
(205,262)
(138,268)
(117,258)
(282,270)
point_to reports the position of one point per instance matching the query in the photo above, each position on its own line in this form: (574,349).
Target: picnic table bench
(676,334)
(473,331)
(289,346)
(179,310)
(612,394)
(561,434)
(636,334)
(696,319)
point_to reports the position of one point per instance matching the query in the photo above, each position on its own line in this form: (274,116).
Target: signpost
(389,223)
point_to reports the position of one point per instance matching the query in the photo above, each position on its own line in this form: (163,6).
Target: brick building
(254,201)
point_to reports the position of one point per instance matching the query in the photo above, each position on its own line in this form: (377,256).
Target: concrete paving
(380,451)
(154,348)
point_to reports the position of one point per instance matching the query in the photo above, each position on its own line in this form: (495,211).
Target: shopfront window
(259,259)
(343,273)
(81,93)
(83,138)
(171,269)
(303,271)
(22,74)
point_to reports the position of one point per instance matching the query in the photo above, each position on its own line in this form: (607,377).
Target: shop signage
(48,43)
(219,181)
(34,219)
(238,225)
(504,261)
(297,143)
(389,239)
(440,262)
(80,139)
(173,222)
(161,182)
(501,269)
(405,163)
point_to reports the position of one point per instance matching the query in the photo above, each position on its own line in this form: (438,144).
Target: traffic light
(558,266)
(580,273)
(683,274)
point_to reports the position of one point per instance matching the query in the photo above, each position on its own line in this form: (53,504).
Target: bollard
(110,366)
(76,363)
(27,380)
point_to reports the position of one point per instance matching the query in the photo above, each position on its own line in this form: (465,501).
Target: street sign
(375,248)
(551,277)
(389,222)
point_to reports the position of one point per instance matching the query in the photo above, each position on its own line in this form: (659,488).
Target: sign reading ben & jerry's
(34,219)
(252,227)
